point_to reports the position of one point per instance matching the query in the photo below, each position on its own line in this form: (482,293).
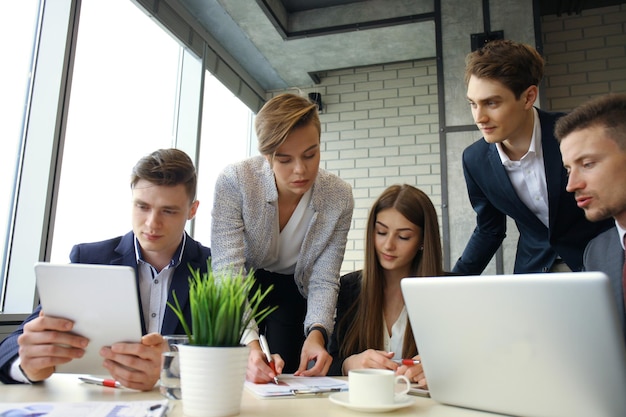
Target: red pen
(99,381)
(407,362)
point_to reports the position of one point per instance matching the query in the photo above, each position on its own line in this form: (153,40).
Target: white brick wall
(379,127)
(585,56)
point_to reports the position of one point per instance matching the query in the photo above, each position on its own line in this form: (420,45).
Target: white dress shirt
(528,175)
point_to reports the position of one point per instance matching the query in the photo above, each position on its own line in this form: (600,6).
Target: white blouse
(285,245)
(395,342)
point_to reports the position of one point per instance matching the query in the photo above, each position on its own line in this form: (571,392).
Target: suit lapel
(555,173)
(180,284)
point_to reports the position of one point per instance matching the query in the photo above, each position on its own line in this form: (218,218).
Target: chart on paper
(290,385)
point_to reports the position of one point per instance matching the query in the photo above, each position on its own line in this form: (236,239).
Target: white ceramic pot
(212,379)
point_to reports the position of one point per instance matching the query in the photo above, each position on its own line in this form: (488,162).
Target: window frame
(39,166)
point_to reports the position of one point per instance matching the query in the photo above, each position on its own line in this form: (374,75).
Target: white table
(67,387)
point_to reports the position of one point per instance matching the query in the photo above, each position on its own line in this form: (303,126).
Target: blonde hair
(279,117)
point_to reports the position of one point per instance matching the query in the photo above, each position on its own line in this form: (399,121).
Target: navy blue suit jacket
(493,198)
(121,251)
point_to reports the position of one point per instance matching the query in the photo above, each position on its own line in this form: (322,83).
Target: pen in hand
(99,381)
(407,362)
(266,349)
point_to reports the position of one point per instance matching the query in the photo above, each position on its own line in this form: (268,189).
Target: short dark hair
(516,65)
(168,167)
(608,111)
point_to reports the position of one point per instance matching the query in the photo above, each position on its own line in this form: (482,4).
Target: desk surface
(67,387)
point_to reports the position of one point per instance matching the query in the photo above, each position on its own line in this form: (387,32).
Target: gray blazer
(244,212)
(604,253)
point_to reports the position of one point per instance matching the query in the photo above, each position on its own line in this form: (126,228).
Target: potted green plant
(213,364)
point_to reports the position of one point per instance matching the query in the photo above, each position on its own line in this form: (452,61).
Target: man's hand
(135,365)
(46,343)
(314,350)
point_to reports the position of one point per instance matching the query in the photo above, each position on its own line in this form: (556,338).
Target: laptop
(534,345)
(100,299)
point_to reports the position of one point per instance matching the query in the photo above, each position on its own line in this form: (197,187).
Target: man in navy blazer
(163,188)
(515,170)
(593,145)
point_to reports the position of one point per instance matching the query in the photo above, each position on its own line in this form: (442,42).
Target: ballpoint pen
(99,381)
(266,349)
(157,410)
(407,362)
(314,391)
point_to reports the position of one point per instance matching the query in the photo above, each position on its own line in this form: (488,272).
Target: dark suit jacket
(121,251)
(605,254)
(493,198)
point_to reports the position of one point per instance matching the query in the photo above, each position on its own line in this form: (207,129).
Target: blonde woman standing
(282,216)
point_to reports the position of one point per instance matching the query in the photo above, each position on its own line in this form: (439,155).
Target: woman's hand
(415,373)
(370,358)
(258,370)
(313,350)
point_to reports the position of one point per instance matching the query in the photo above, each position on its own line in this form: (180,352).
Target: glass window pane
(121,107)
(18,26)
(227,136)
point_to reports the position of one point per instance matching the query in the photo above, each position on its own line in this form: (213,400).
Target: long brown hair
(366,331)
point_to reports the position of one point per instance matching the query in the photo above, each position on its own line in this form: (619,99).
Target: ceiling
(285,43)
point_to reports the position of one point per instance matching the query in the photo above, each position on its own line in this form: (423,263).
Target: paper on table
(290,385)
(420,392)
(157,408)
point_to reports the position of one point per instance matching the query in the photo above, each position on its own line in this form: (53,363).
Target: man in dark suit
(515,170)
(593,145)
(163,186)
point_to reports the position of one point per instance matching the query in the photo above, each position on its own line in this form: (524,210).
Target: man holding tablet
(163,188)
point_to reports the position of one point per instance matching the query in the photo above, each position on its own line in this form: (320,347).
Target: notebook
(101,299)
(535,345)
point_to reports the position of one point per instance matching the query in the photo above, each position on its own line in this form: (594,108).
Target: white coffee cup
(374,387)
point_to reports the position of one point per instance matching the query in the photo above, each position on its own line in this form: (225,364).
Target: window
(124,102)
(121,108)
(18,26)
(227,136)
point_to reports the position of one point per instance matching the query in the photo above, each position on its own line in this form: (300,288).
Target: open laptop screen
(532,345)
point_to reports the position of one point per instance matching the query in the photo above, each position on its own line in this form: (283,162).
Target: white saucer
(343,399)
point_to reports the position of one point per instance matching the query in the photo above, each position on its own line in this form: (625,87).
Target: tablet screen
(101,300)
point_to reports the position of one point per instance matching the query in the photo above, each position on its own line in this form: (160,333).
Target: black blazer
(349,291)
(493,198)
(121,251)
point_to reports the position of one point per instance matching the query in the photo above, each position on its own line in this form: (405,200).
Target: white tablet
(100,299)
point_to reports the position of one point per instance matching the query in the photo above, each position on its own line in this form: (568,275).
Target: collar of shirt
(174,262)
(533,149)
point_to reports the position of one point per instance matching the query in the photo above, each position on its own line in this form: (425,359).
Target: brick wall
(585,56)
(379,127)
